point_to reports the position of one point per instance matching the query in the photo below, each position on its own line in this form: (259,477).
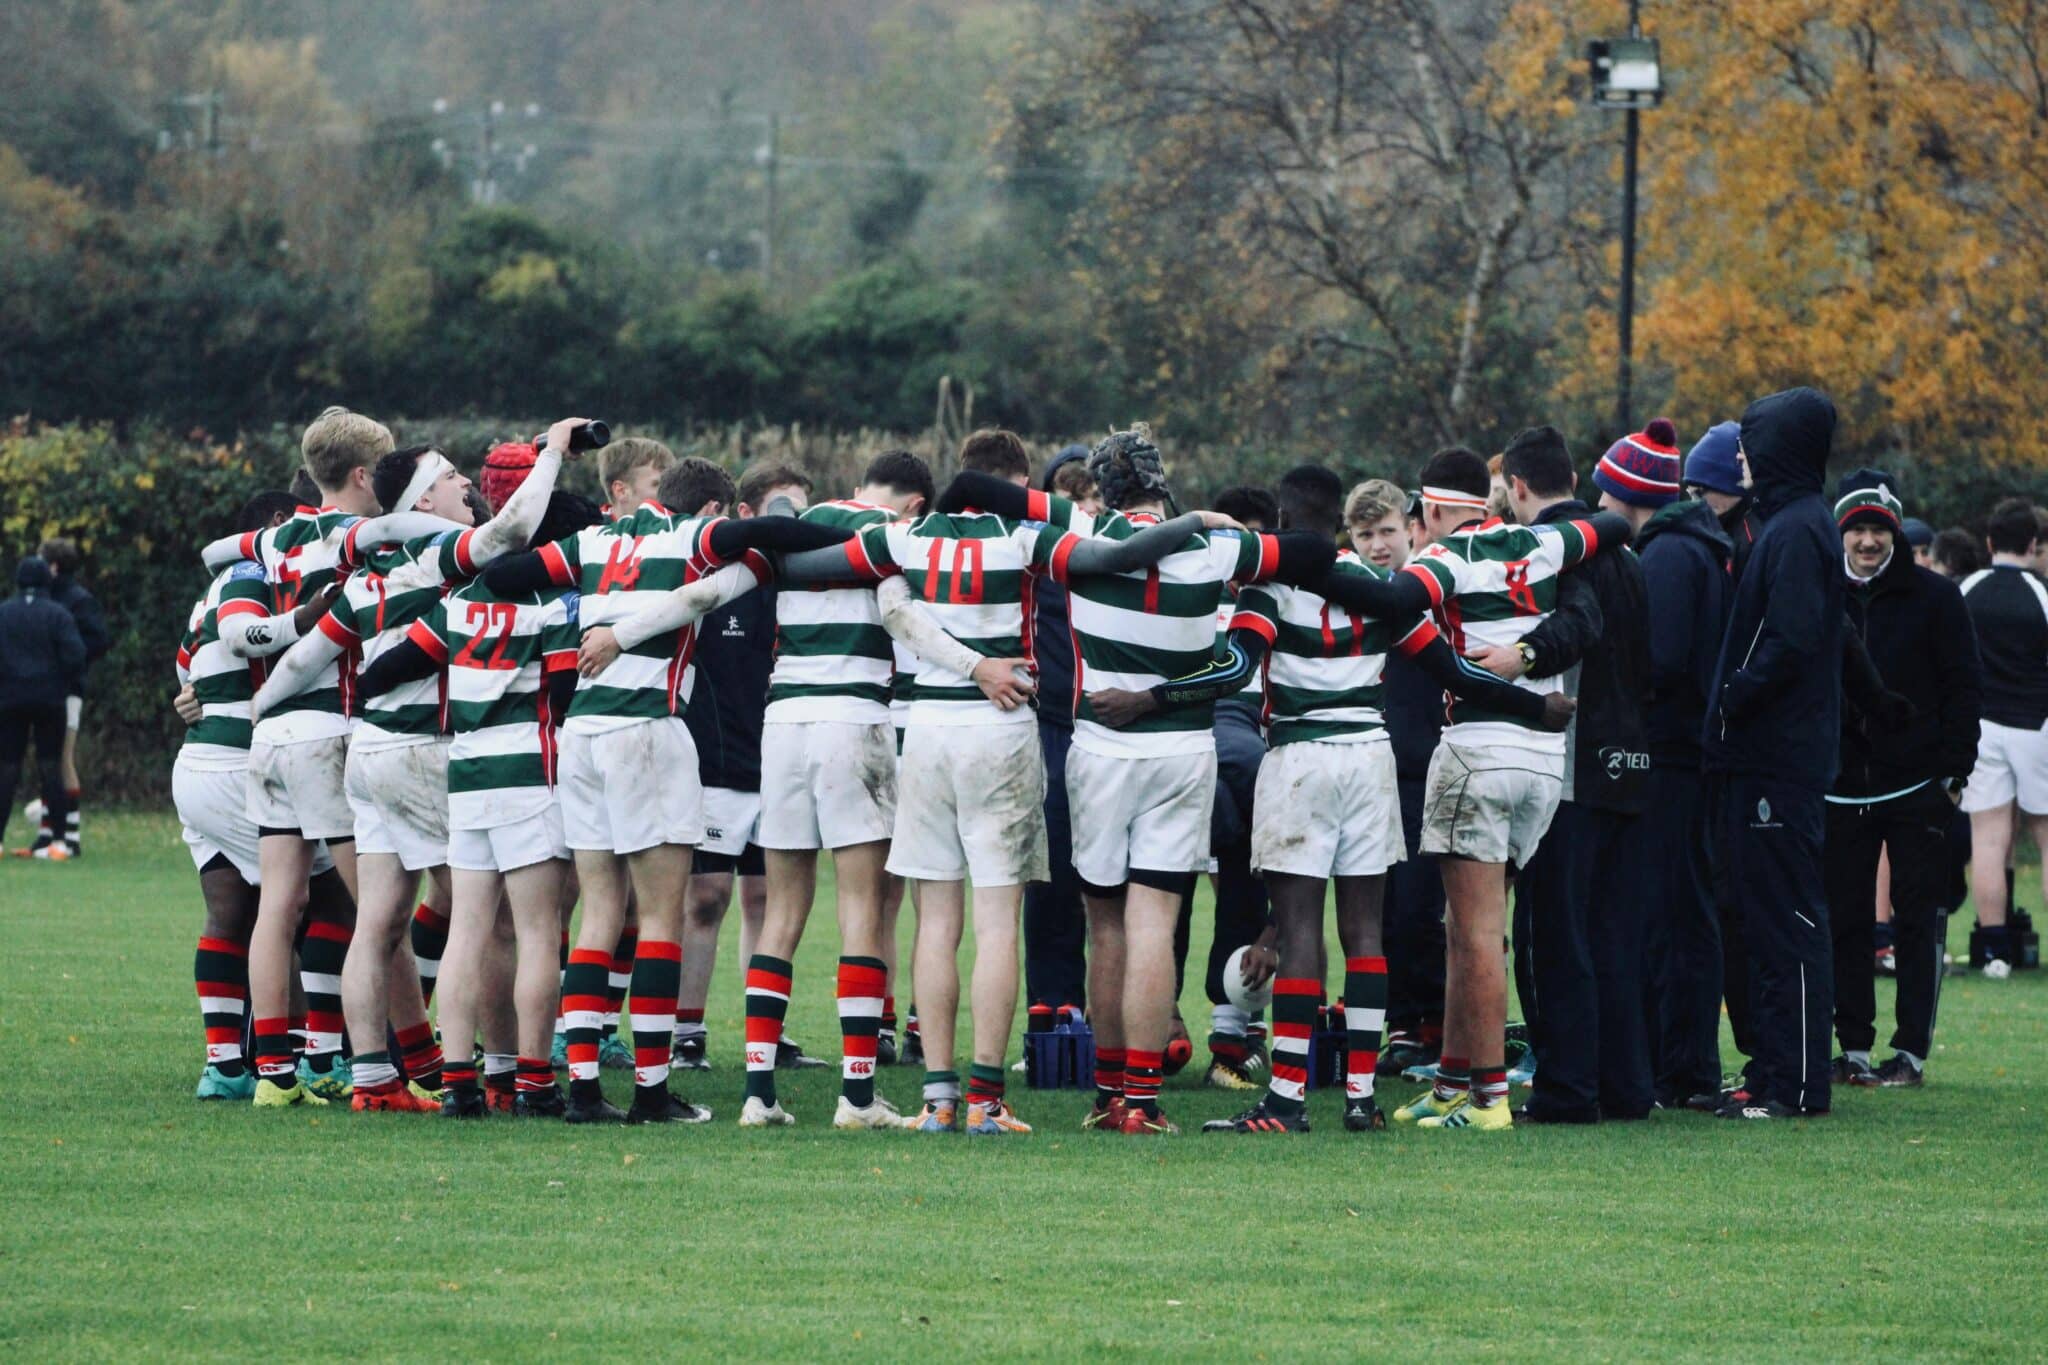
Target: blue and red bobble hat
(1642,470)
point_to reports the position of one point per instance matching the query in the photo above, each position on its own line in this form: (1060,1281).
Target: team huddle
(429,719)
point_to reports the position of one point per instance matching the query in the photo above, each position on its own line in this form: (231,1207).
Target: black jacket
(1610,764)
(71,595)
(1689,575)
(735,654)
(41,651)
(1412,704)
(1052,639)
(1776,708)
(1917,630)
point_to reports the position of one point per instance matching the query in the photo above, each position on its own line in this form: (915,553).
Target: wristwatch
(1528,653)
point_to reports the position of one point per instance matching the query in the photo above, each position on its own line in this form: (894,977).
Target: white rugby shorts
(213,807)
(730,820)
(301,786)
(2012,765)
(1325,809)
(826,784)
(1492,805)
(631,789)
(1147,813)
(973,805)
(399,794)
(507,848)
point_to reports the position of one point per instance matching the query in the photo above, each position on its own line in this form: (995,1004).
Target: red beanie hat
(505,468)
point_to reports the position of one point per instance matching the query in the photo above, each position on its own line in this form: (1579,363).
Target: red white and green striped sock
(429,941)
(941,1087)
(275,1061)
(1109,1075)
(1365,1019)
(501,1072)
(984,1083)
(657,976)
(768,983)
(1144,1070)
(536,1074)
(220,970)
(625,959)
(583,1006)
(861,992)
(421,1053)
(375,1074)
(320,959)
(1453,1077)
(1489,1084)
(459,1075)
(1294,1021)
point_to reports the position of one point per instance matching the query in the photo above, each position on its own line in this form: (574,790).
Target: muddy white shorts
(730,821)
(826,784)
(213,807)
(630,789)
(973,805)
(300,787)
(1147,813)
(1327,810)
(2012,765)
(507,848)
(399,794)
(1492,805)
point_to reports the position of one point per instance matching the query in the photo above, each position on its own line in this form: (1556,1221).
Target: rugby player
(396,777)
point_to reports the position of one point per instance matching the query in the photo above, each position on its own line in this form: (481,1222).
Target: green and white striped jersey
(973,571)
(1253,693)
(299,557)
(1324,665)
(1491,584)
(378,604)
(1136,630)
(833,659)
(619,568)
(221,683)
(498,653)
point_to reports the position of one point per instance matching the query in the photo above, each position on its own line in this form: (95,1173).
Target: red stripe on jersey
(241,606)
(557,564)
(1061,553)
(857,556)
(1429,580)
(701,553)
(555,661)
(758,564)
(422,634)
(1269,558)
(464,559)
(1592,536)
(1037,505)
(247,549)
(339,633)
(1418,639)
(1258,625)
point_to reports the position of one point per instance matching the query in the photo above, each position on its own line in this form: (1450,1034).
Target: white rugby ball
(1244,997)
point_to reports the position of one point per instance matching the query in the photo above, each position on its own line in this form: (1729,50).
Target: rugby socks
(535,1075)
(583,1006)
(888,1012)
(767,1004)
(1109,1075)
(459,1075)
(625,961)
(1227,1040)
(689,1023)
(657,976)
(1489,1084)
(375,1074)
(1453,1077)
(1365,1019)
(420,1053)
(941,1087)
(501,1074)
(862,997)
(1143,1072)
(274,1060)
(71,821)
(429,941)
(1294,1020)
(985,1084)
(320,959)
(220,969)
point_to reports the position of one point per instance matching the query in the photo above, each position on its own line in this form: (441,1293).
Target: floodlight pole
(1625,376)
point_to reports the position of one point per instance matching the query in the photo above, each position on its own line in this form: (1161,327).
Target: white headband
(1454,496)
(433,464)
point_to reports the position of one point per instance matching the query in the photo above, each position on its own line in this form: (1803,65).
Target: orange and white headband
(1453,497)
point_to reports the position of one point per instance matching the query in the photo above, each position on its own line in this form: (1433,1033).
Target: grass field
(1909,1224)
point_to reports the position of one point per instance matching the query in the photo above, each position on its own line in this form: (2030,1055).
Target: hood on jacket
(1687,518)
(1067,455)
(1787,437)
(32,574)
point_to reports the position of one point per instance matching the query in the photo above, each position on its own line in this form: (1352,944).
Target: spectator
(41,653)
(1956,554)
(2008,606)
(1055,926)
(1772,743)
(1892,794)
(1412,703)
(1073,482)
(61,554)
(1686,557)
(1578,904)
(1920,537)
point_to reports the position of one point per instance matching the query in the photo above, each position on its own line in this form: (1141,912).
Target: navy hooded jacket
(1777,691)
(1688,572)
(40,649)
